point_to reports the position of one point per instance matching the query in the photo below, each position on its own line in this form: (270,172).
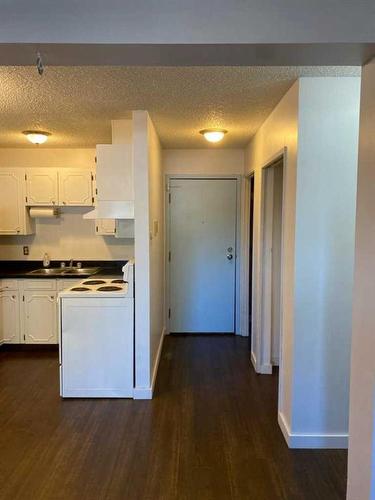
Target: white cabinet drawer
(6,285)
(40,284)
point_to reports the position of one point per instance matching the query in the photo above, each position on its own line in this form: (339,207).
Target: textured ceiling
(76,104)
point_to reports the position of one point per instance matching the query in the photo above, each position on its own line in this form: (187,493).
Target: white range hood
(112,210)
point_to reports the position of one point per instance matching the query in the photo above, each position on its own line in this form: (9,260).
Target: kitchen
(84,212)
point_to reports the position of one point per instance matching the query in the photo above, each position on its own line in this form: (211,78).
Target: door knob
(229,256)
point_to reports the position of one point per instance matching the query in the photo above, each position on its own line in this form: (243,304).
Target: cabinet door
(42,187)
(114,172)
(40,317)
(9,318)
(105,227)
(11,203)
(75,187)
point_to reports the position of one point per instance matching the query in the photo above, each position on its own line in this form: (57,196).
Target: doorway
(271,255)
(251,259)
(202,255)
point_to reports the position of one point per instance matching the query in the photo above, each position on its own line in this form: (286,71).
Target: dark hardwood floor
(210,433)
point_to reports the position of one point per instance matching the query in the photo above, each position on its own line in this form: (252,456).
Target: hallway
(211,432)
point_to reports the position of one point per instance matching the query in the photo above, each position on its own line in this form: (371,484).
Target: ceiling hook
(39,64)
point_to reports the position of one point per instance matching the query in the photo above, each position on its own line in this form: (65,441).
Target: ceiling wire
(39,64)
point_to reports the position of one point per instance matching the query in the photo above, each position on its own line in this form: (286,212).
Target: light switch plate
(155,228)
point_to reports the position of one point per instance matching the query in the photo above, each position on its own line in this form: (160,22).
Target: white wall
(157,275)
(361,468)
(324,256)
(279,131)
(149,253)
(214,161)
(317,123)
(68,236)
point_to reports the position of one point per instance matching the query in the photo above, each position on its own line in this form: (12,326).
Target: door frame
(260,335)
(238,260)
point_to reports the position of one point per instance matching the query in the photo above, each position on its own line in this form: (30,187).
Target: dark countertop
(12,269)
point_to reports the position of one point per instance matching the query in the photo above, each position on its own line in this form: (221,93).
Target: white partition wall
(361,469)
(324,258)
(149,253)
(316,126)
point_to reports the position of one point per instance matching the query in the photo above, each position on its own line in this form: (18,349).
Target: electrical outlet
(26,250)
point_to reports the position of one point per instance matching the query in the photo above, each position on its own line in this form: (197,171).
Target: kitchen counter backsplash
(22,269)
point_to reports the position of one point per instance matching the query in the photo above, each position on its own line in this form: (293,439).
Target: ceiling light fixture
(213,134)
(36,136)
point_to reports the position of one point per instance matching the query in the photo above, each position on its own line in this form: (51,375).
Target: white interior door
(202,242)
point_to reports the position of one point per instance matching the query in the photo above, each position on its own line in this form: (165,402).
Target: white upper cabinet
(42,187)
(119,228)
(75,187)
(14,218)
(59,187)
(114,183)
(114,172)
(105,227)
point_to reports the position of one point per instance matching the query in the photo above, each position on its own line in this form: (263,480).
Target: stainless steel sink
(47,271)
(81,270)
(63,271)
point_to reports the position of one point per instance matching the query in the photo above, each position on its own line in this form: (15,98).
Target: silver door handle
(229,256)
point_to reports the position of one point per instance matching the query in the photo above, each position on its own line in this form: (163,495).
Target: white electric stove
(97,337)
(101,287)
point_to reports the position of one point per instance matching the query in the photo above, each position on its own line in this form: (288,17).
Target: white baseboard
(157,360)
(142,393)
(147,392)
(265,369)
(310,441)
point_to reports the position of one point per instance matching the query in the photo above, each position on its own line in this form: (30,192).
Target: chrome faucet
(71,262)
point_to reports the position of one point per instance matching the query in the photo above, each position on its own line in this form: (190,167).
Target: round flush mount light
(213,134)
(36,136)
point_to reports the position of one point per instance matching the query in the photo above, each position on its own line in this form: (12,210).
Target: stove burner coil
(93,282)
(109,289)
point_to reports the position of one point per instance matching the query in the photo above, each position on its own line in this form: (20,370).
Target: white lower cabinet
(28,310)
(40,317)
(9,317)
